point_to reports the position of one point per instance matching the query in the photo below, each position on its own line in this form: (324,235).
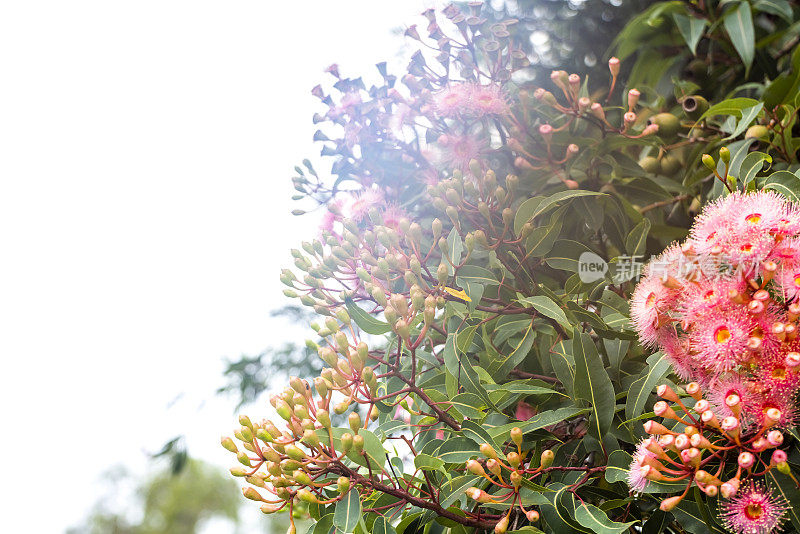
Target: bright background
(145,155)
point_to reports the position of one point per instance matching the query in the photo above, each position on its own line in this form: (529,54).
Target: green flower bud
(508,217)
(229,444)
(502,526)
(452,214)
(379,295)
(547,458)
(358,443)
(283,409)
(442,273)
(500,194)
(247,434)
(270,454)
(324,418)
(295,453)
(354,420)
(513,459)
(516,479)
(475,468)
(289,465)
(402,329)
(305,495)
(343,485)
(342,343)
(347,442)
(263,435)
(274,468)
(516,436)
(302,477)
(343,316)
(270,508)
(670,165)
(488,451)
(252,494)
(238,471)
(255,481)
(436,228)
(301,412)
(291,293)
(725,155)
(321,386)
(709,162)
(244,459)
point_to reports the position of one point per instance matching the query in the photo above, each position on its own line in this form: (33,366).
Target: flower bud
(494,467)
(772,417)
(778,457)
(709,162)
(746,460)
(711,491)
(728,490)
(475,468)
(358,443)
(613,66)
(252,494)
(694,390)
(532,515)
(547,458)
(229,444)
(502,526)
(666,392)
(516,436)
(305,495)
(725,154)
(651,427)
(238,471)
(775,438)
(310,438)
(347,442)
(244,459)
(488,451)
(478,495)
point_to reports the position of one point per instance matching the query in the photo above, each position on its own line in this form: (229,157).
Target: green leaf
(456,248)
(738,23)
(382,526)
(748,115)
(564,365)
(453,490)
(459,366)
(593,384)
(731,106)
(640,390)
(324,525)
(522,387)
(547,307)
(500,367)
(365,321)
(592,517)
(477,275)
(637,238)
(426,462)
(691,30)
(533,207)
(780,8)
(751,166)
(469,405)
(347,512)
(541,420)
(785,183)
(786,487)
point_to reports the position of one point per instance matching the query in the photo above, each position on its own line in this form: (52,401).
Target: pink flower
(360,204)
(720,336)
(392,216)
(754,510)
(649,305)
(636,480)
(452,101)
(487,100)
(458,150)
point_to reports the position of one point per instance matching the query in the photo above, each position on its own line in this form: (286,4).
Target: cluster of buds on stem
(505,475)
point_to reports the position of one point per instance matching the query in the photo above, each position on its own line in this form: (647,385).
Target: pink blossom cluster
(467,99)
(724,306)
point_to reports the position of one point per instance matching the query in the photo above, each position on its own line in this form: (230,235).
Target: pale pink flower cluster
(724,306)
(471,100)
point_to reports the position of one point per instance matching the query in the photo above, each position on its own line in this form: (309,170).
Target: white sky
(145,155)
